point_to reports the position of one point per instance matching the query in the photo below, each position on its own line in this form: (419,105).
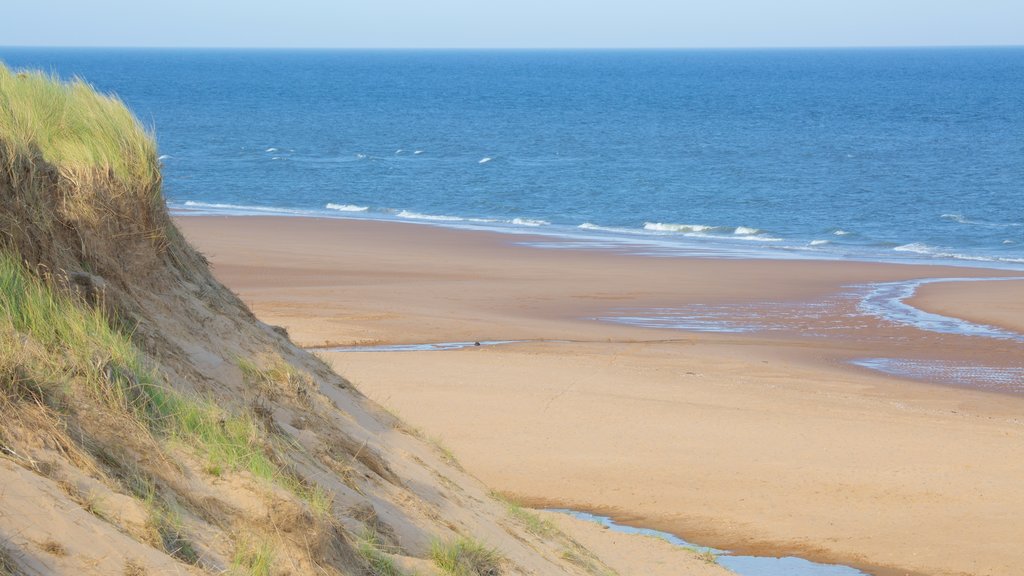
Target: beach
(753,432)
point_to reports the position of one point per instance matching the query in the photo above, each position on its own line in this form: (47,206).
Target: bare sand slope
(761,443)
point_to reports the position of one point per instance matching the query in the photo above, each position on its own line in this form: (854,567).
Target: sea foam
(663,227)
(435,217)
(346,207)
(529,222)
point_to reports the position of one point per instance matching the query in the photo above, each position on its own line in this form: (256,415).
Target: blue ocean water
(875,153)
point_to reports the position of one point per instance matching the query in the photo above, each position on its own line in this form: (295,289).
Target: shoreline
(742,441)
(652,239)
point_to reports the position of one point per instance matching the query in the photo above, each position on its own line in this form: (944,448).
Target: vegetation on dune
(60,348)
(74,127)
(376,555)
(466,557)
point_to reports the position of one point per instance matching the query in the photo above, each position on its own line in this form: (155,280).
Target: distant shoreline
(638,241)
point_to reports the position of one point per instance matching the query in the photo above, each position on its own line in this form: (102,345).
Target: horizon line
(509,48)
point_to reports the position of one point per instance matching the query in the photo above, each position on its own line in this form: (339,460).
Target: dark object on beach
(476,343)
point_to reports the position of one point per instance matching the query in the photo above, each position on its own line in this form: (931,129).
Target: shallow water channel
(742,565)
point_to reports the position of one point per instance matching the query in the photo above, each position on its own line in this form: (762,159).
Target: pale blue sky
(512,23)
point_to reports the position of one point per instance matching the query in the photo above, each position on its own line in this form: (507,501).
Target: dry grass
(252,559)
(7,565)
(54,548)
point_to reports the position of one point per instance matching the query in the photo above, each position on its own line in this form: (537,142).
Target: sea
(912,155)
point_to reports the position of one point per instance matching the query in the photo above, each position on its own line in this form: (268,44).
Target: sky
(512,23)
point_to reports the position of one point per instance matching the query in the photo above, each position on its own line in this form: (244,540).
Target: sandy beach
(761,439)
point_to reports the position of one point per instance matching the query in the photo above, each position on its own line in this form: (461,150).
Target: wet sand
(758,442)
(997,303)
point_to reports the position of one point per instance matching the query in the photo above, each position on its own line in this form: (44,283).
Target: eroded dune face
(150,424)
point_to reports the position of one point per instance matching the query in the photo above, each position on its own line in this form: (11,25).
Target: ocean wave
(528,222)
(485,160)
(243,209)
(271,150)
(819,242)
(346,207)
(613,229)
(841,232)
(417,152)
(961,219)
(663,227)
(936,252)
(434,217)
(164,157)
(705,231)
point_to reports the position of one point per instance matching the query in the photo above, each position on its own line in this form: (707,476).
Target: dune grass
(466,557)
(73,127)
(530,520)
(252,559)
(68,341)
(55,347)
(373,553)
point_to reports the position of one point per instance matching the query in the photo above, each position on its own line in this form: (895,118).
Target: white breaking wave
(347,207)
(592,226)
(418,152)
(705,231)
(529,222)
(485,160)
(240,209)
(819,242)
(435,217)
(916,247)
(662,227)
(271,150)
(935,252)
(841,233)
(164,157)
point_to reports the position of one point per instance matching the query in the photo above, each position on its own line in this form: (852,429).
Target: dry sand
(765,442)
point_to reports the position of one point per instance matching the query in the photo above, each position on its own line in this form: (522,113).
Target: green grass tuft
(74,128)
(49,341)
(530,520)
(373,553)
(466,557)
(252,560)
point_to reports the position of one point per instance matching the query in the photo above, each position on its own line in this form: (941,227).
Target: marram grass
(74,128)
(63,347)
